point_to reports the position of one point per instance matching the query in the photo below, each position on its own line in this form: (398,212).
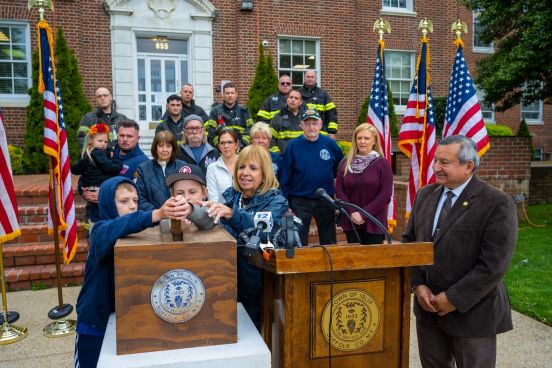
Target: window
(487,110)
(297,55)
(397,6)
(532,113)
(399,70)
(478,45)
(15,62)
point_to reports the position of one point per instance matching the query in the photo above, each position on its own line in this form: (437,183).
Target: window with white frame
(487,110)
(532,113)
(397,5)
(15,60)
(295,56)
(399,71)
(478,45)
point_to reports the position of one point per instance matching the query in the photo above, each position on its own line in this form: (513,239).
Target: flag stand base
(60,328)
(12,333)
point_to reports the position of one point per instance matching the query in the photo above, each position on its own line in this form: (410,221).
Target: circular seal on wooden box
(356,319)
(177,296)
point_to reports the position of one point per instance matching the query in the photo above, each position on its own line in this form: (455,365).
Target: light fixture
(246,5)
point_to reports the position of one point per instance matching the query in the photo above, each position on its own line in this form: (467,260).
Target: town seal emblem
(356,319)
(177,296)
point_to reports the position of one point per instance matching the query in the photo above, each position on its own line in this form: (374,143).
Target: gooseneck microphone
(338,204)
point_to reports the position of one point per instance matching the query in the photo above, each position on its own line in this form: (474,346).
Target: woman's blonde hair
(354,149)
(253,153)
(260,127)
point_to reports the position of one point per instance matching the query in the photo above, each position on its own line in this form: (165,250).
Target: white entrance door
(160,75)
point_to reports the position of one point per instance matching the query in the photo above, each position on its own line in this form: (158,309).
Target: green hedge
(496,130)
(16,159)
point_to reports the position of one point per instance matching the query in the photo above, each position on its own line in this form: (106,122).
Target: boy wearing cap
(310,162)
(194,148)
(189,182)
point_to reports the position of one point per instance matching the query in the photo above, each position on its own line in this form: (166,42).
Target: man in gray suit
(461,302)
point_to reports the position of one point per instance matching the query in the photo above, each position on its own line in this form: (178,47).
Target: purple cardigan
(370,190)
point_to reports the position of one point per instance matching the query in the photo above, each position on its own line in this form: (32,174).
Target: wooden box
(142,260)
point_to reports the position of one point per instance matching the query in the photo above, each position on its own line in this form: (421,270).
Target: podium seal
(355,321)
(177,296)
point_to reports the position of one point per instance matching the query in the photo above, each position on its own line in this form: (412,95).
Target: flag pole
(60,327)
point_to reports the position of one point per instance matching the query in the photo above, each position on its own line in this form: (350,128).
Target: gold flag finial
(381,26)
(426,26)
(40,4)
(458,27)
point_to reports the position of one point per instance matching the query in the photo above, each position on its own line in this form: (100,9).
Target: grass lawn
(529,278)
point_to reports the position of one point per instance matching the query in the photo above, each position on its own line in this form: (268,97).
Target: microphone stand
(346,214)
(370,217)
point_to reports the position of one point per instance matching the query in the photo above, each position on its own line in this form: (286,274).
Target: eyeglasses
(285,83)
(193,129)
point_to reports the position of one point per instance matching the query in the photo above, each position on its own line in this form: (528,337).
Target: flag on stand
(463,115)
(378,116)
(9,223)
(417,135)
(55,144)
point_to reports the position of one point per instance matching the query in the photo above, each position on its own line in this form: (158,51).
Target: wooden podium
(370,312)
(150,258)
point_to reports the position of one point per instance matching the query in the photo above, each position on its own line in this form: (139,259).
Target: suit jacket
(472,252)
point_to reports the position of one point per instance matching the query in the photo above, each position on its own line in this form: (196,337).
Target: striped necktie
(444,211)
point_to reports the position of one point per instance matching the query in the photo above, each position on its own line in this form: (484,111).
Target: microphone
(322,194)
(263,223)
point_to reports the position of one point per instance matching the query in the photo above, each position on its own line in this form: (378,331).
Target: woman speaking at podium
(255,189)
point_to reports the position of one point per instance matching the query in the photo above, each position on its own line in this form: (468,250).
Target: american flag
(9,223)
(417,135)
(55,144)
(378,116)
(463,114)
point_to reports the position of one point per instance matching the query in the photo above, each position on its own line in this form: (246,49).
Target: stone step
(38,233)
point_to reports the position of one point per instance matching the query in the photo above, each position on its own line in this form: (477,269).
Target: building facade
(143,50)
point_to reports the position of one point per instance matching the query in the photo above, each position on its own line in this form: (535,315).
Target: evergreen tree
(75,104)
(523,130)
(34,159)
(264,84)
(439,109)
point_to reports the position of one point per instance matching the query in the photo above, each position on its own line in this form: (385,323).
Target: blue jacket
(131,161)
(242,218)
(96,299)
(152,190)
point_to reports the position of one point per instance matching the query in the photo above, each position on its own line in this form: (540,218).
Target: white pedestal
(249,351)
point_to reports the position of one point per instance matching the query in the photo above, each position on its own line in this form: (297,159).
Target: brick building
(144,49)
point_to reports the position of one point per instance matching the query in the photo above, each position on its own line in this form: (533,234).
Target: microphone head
(320,192)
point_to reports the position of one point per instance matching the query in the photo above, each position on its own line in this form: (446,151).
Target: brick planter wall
(540,189)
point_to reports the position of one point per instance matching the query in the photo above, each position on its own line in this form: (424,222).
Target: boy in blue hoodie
(118,204)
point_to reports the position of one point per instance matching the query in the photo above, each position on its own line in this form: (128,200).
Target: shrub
(439,110)
(496,130)
(345,146)
(523,130)
(264,84)
(16,159)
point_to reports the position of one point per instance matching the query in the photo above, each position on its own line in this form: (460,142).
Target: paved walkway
(528,345)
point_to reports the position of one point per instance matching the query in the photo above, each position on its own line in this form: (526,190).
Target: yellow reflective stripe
(275,134)
(210,123)
(332,125)
(274,149)
(264,114)
(324,132)
(246,139)
(249,122)
(318,107)
(237,127)
(287,134)
(330,106)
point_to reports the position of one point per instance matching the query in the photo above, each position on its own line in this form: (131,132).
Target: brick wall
(347,48)
(540,189)
(86,29)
